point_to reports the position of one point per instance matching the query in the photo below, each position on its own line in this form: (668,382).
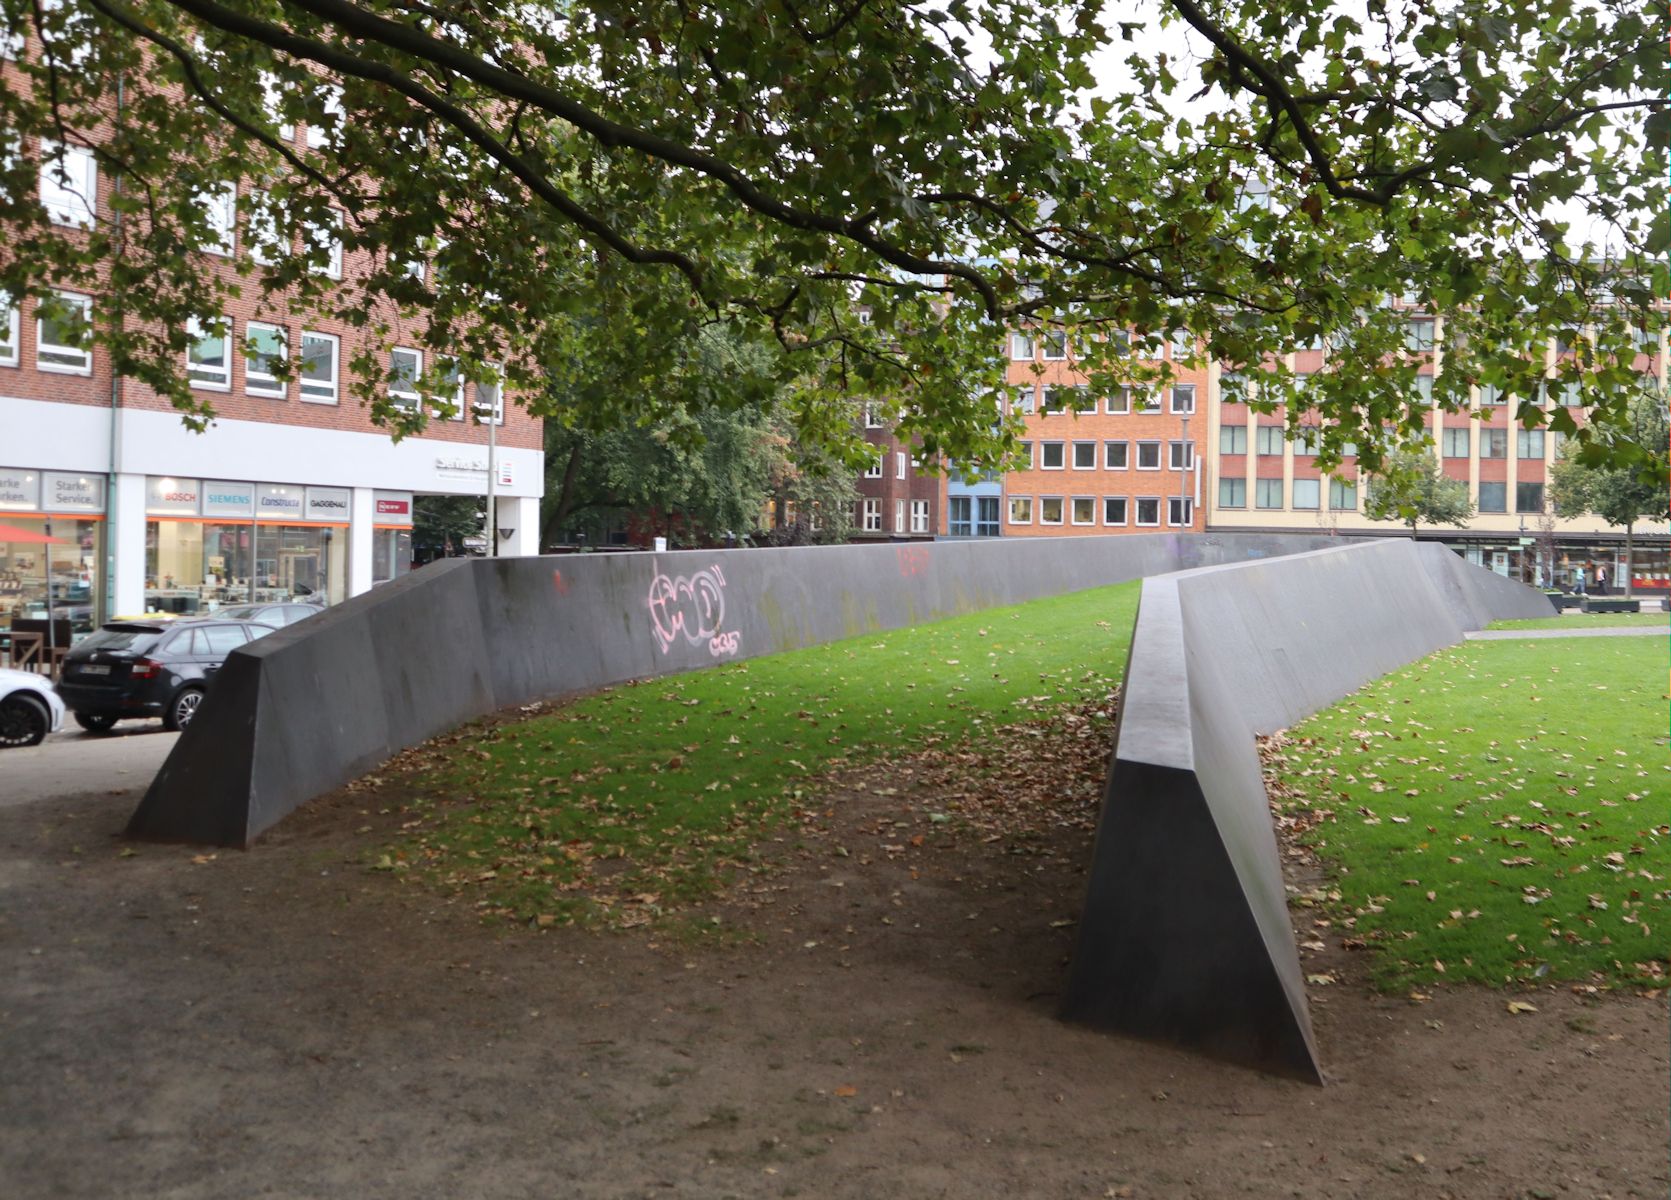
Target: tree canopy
(1583,482)
(1412,488)
(870,191)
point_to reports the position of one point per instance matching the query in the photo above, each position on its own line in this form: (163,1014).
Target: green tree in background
(1411,487)
(443,522)
(1581,483)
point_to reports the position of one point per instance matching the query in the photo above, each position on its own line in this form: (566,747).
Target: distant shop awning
(12,533)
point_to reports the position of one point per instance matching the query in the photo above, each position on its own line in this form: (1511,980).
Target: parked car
(29,709)
(149,669)
(276,615)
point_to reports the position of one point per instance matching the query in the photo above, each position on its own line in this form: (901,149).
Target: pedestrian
(1601,581)
(1578,580)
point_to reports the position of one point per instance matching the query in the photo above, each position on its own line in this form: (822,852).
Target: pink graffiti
(561,584)
(693,609)
(913,560)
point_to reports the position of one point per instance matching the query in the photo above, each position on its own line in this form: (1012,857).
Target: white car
(29,708)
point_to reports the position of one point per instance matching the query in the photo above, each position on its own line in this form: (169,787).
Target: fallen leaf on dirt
(1517,1007)
(847,1089)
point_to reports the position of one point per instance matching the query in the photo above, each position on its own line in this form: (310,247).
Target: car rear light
(146,668)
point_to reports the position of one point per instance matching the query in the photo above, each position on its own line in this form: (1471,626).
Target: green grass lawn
(1590,621)
(647,797)
(1497,813)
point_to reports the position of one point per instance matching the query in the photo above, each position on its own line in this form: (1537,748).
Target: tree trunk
(1630,554)
(565,497)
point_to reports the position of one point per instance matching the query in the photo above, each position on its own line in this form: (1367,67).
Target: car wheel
(96,722)
(183,709)
(24,721)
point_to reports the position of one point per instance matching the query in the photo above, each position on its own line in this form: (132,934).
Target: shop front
(66,507)
(210,543)
(391,537)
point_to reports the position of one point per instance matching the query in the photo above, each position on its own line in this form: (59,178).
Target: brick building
(900,498)
(291,489)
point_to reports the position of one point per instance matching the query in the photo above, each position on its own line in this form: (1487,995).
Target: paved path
(1501,635)
(75,763)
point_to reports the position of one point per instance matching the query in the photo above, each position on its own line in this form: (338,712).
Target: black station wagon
(148,669)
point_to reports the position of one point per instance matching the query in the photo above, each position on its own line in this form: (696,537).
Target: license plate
(95,669)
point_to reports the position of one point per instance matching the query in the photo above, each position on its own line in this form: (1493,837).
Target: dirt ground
(288,1022)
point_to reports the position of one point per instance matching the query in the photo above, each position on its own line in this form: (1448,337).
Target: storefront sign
(222,499)
(507,473)
(65,492)
(327,504)
(392,508)
(168,496)
(19,489)
(456,465)
(278,502)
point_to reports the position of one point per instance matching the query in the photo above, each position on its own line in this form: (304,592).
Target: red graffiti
(558,582)
(913,560)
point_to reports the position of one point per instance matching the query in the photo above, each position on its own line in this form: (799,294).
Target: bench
(1609,604)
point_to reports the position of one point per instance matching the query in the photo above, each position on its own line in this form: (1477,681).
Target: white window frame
(1316,500)
(1061,448)
(872,515)
(1148,446)
(1137,511)
(1026,450)
(1022,504)
(256,381)
(1118,402)
(1181,345)
(899,464)
(1026,401)
(1022,346)
(899,516)
(1061,513)
(197,333)
(410,398)
(1180,455)
(272,96)
(336,369)
(1054,344)
(481,411)
(69,184)
(874,471)
(1108,463)
(11,331)
(333,265)
(1092,447)
(1180,511)
(872,419)
(1149,402)
(1125,511)
(261,235)
(919,516)
(1183,399)
(44,347)
(220,211)
(318,136)
(1073,510)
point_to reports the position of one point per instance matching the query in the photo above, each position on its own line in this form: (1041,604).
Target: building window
(1491,394)
(873,415)
(1494,443)
(1418,334)
(273,103)
(1493,497)
(873,516)
(1148,401)
(1183,345)
(57,332)
(10,331)
(1118,402)
(959,522)
(1055,344)
(1232,387)
(1343,495)
(1267,493)
(319,367)
(1084,456)
(1181,455)
(1148,510)
(406,367)
(1021,510)
(490,402)
(1021,346)
(1424,391)
(1528,497)
(919,516)
(1232,493)
(1055,400)
(1051,456)
(986,516)
(324,243)
(1180,510)
(899,464)
(1453,443)
(69,184)
(1084,510)
(1306,440)
(1183,399)
(1024,401)
(899,516)
(1306,493)
(1116,456)
(1114,510)
(265,350)
(1024,454)
(1530,444)
(874,471)
(1232,439)
(220,213)
(1148,456)
(208,357)
(1268,440)
(322,131)
(1050,510)
(1571,396)
(262,240)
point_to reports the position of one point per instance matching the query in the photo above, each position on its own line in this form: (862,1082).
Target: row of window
(876,469)
(1077,398)
(972,516)
(1270,440)
(869,516)
(1116,456)
(1053,345)
(1494,443)
(1115,510)
(1267,493)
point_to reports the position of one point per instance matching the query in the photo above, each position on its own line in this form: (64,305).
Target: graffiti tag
(561,584)
(913,560)
(692,608)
